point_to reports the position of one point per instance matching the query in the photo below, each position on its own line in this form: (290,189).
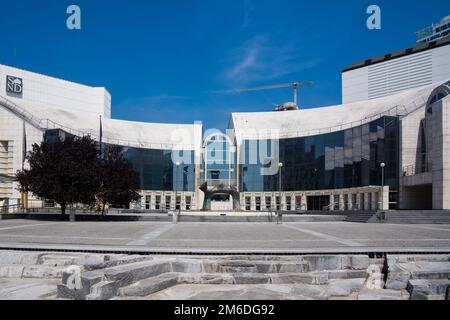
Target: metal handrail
(5,209)
(396,111)
(46,124)
(412,169)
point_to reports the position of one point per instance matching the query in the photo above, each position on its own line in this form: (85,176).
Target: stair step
(151,285)
(129,273)
(103,290)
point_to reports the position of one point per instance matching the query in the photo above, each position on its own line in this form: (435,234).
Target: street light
(280,166)
(176,213)
(382,166)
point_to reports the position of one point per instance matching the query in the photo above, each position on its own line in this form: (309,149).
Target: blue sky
(170,61)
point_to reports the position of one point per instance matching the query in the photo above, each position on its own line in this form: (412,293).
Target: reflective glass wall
(157,171)
(344,159)
(155,167)
(218,161)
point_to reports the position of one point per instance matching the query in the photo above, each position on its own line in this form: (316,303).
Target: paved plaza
(323,236)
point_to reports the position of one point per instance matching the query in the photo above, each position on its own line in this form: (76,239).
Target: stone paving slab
(27,289)
(228,277)
(230,236)
(240,292)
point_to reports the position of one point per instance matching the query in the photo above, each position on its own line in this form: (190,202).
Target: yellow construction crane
(286,106)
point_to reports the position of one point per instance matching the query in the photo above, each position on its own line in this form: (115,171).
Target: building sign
(14,85)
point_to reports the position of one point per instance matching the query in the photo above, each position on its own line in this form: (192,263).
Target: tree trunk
(63,209)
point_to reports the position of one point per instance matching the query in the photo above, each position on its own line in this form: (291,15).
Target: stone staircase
(425,277)
(144,278)
(85,276)
(23,265)
(34,275)
(361,216)
(419,217)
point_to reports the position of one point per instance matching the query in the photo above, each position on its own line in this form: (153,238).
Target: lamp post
(176,212)
(382,166)
(280,166)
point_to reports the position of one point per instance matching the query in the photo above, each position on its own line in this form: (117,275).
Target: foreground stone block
(382,294)
(397,280)
(93,262)
(19,257)
(113,261)
(127,274)
(360,262)
(103,290)
(319,278)
(42,271)
(293,267)
(238,266)
(187,266)
(206,278)
(267,267)
(344,288)
(328,262)
(423,289)
(88,280)
(151,285)
(347,274)
(251,278)
(11,271)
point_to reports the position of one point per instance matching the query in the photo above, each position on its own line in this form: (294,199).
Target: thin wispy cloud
(247,10)
(262,59)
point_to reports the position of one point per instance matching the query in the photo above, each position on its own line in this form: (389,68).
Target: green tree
(119,182)
(64,171)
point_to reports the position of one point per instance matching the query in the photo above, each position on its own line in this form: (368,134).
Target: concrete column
(374,201)
(332,202)
(385,200)
(358,201)
(366,201)
(441,154)
(341,202)
(304,203)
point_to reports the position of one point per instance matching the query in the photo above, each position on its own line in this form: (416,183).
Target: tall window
(338,160)
(219,160)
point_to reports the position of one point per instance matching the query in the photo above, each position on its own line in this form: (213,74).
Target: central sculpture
(219,189)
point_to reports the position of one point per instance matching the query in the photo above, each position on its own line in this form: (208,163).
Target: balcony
(412,170)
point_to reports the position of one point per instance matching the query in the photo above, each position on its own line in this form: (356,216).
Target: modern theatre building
(391,151)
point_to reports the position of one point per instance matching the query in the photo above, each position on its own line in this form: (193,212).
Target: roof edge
(398,54)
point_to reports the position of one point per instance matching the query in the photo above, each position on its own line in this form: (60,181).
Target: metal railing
(11,209)
(412,169)
(46,124)
(396,111)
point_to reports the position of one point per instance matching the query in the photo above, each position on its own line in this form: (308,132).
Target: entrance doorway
(317,203)
(221,202)
(418,197)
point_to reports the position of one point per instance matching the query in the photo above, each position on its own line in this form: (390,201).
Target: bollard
(176,216)
(279,217)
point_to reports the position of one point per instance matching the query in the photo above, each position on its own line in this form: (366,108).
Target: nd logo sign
(14,85)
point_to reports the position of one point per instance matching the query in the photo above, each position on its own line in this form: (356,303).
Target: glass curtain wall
(155,167)
(157,171)
(343,159)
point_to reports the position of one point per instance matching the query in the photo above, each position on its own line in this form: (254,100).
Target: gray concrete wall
(409,147)
(440,125)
